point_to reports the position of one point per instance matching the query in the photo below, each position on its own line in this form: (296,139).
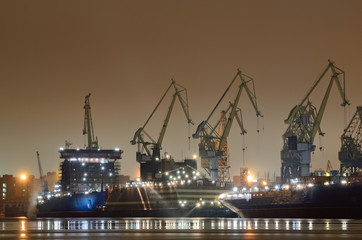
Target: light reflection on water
(24,225)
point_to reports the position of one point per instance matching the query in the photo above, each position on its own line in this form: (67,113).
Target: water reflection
(139,224)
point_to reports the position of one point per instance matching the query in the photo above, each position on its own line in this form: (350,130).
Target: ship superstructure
(85,170)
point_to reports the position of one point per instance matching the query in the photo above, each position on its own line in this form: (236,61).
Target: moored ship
(85,174)
(342,200)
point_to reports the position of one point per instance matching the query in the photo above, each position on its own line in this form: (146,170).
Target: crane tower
(304,123)
(92,143)
(213,147)
(350,154)
(149,149)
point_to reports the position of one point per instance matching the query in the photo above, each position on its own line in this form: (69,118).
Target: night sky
(53,53)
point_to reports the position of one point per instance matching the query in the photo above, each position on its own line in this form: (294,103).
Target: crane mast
(304,122)
(92,143)
(213,147)
(350,154)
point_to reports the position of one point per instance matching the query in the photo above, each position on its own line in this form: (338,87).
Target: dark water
(180,228)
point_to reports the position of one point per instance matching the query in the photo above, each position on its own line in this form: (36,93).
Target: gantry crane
(92,143)
(350,154)
(148,148)
(42,177)
(213,147)
(304,123)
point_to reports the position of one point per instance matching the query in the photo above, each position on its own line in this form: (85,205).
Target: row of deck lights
(198,204)
(182,177)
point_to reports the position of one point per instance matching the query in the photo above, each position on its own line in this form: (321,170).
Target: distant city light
(61,148)
(194,156)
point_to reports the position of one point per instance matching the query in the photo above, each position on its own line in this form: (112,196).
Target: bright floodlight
(23,176)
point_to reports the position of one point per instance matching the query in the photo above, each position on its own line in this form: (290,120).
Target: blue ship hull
(335,201)
(80,205)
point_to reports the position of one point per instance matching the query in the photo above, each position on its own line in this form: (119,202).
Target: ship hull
(318,202)
(76,205)
(139,202)
(169,201)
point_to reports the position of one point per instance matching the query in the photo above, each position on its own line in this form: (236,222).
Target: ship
(330,200)
(85,175)
(182,191)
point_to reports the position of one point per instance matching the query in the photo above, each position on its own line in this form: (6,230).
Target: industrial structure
(149,150)
(304,123)
(213,147)
(350,154)
(42,177)
(89,169)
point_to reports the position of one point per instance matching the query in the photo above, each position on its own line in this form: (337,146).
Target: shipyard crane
(329,167)
(213,147)
(88,125)
(304,122)
(350,154)
(148,147)
(42,177)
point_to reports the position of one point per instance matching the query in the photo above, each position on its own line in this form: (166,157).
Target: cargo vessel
(181,192)
(85,174)
(341,200)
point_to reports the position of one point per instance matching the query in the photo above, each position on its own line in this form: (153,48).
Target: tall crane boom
(213,147)
(42,177)
(304,122)
(92,142)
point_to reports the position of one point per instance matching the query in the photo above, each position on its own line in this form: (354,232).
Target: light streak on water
(25,227)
